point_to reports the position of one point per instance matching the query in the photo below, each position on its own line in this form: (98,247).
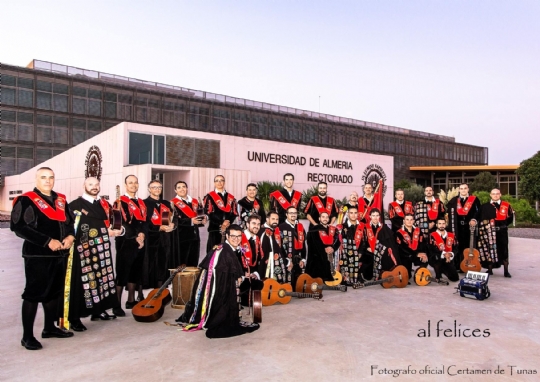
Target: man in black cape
(214,305)
(159,239)
(93,289)
(250,205)
(282,199)
(442,249)
(323,241)
(251,259)
(355,265)
(427,211)
(411,244)
(278,267)
(293,243)
(41,218)
(321,203)
(398,209)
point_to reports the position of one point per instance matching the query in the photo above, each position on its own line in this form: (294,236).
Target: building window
(146,148)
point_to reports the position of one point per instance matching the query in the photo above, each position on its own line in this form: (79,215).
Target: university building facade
(48,108)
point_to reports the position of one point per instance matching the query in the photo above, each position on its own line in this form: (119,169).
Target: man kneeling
(214,305)
(442,246)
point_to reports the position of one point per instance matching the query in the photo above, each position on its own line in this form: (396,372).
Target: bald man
(92,278)
(41,218)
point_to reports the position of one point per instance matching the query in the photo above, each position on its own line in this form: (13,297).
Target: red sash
(328,238)
(413,244)
(299,243)
(358,234)
(401,212)
(182,206)
(219,202)
(106,207)
(372,237)
(284,203)
(58,213)
(277,234)
(318,204)
(464,210)
(139,209)
(433,209)
(156,216)
(247,255)
(256,205)
(502,212)
(443,245)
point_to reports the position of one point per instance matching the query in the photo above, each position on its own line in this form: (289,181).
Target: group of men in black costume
(157,235)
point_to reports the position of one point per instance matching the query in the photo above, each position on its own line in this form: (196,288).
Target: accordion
(474,285)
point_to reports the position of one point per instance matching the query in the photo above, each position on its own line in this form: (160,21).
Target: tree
(415,193)
(265,188)
(529,177)
(403,184)
(483,182)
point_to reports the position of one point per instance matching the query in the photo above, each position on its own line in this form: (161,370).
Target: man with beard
(427,211)
(321,203)
(93,289)
(411,244)
(159,239)
(250,205)
(251,259)
(355,266)
(494,217)
(461,220)
(285,198)
(40,218)
(442,247)
(293,246)
(220,207)
(381,245)
(129,247)
(370,201)
(278,267)
(398,209)
(323,241)
(214,305)
(189,240)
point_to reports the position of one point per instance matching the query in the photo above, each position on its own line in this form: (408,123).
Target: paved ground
(358,335)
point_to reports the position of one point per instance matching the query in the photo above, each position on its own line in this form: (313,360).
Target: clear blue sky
(468,69)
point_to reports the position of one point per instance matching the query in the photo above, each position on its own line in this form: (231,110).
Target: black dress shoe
(130,304)
(103,316)
(31,344)
(78,327)
(507,274)
(119,312)
(56,333)
(490,272)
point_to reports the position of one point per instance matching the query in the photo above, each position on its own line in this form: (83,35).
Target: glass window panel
(60,121)
(26,98)
(7,96)
(8,80)
(25,152)
(24,117)
(124,98)
(94,107)
(25,133)
(94,125)
(24,165)
(27,83)
(79,105)
(111,97)
(81,92)
(61,136)
(44,134)
(43,100)
(78,123)
(60,88)
(44,86)
(159,149)
(140,148)
(141,101)
(9,165)
(60,103)
(78,136)
(8,133)
(8,116)
(96,94)
(42,155)
(45,120)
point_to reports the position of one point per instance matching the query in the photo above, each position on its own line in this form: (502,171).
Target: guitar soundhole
(314,287)
(281,293)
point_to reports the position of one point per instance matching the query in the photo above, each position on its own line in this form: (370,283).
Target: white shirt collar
(89,198)
(289,223)
(187,199)
(497,202)
(126,194)
(220,192)
(248,234)
(400,202)
(430,200)
(443,236)
(349,223)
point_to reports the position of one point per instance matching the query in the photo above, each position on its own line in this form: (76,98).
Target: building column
(446,181)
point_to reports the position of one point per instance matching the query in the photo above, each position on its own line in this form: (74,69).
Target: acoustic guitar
(397,277)
(273,292)
(115,216)
(152,307)
(308,284)
(471,256)
(422,277)
(337,278)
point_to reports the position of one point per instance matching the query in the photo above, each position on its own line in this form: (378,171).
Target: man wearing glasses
(220,207)
(293,238)
(159,239)
(214,306)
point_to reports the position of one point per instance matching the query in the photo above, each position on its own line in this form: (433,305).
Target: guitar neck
(337,287)
(301,295)
(167,282)
(381,281)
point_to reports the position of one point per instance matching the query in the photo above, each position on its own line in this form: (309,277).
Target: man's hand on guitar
(422,257)
(329,250)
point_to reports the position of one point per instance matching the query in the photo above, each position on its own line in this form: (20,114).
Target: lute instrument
(398,277)
(471,256)
(422,277)
(115,215)
(273,292)
(152,307)
(308,284)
